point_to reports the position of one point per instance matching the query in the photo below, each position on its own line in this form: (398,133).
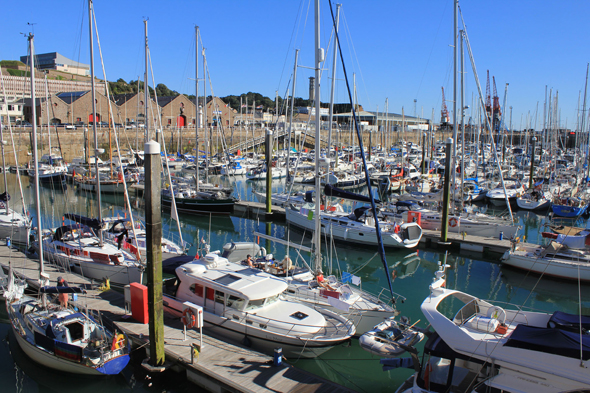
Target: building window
(169,121)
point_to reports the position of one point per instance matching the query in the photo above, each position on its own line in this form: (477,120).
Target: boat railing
(282,327)
(394,299)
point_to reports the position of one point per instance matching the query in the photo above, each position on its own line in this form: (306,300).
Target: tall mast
(146,94)
(333,82)
(198,120)
(291,114)
(207,139)
(93,88)
(36,156)
(454,147)
(318,60)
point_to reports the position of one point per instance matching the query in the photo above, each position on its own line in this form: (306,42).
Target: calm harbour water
(347,365)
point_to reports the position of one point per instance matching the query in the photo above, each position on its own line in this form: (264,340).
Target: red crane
(444,112)
(488,97)
(497,112)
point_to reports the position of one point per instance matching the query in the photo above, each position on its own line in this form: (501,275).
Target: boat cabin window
(219,297)
(197,289)
(434,374)
(235,302)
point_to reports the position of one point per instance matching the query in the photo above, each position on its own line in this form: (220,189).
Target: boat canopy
(555,341)
(61,231)
(336,192)
(91,222)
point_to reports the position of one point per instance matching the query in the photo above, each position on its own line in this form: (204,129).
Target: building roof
(53,58)
(120,99)
(71,96)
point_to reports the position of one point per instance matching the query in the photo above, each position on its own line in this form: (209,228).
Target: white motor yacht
(247,305)
(487,347)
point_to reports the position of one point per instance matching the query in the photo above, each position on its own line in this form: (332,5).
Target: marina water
(349,365)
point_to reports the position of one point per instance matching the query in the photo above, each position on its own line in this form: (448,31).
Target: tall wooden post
(153,224)
(446,191)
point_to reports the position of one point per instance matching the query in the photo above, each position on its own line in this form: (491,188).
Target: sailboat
(309,287)
(56,335)
(81,246)
(13,225)
(201,197)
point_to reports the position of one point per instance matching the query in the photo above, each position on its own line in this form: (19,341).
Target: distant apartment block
(55,61)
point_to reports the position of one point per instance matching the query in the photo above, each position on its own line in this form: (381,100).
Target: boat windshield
(271,300)
(255,304)
(258,303)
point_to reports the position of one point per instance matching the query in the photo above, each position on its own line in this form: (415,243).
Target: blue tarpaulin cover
(554,341)
(571,322)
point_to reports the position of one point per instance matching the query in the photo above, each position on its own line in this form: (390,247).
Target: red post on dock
(139,302)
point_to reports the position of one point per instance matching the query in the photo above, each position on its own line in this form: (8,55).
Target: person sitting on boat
(322,282)
(62,297)
(286,265)
(249,261)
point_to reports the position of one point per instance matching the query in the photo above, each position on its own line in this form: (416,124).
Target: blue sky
(399,50)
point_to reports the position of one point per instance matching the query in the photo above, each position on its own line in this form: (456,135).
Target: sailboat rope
(127,201)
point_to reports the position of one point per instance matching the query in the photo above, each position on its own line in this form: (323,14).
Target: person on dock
(62,297)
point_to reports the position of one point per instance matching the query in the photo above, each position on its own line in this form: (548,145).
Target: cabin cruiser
(52,169)
(487,347)
(247,305)
(344,296)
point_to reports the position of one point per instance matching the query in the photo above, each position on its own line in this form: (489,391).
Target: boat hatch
(227,279)
(299,315)
(76,330)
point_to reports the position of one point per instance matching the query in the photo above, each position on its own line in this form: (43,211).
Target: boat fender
(188,318)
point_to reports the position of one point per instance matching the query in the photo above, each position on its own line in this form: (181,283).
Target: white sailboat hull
(548,265)
(361,234)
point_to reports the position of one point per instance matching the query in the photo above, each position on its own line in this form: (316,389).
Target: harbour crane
(444,112)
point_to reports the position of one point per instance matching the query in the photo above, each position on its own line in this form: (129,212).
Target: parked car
(23,124)
(67,126)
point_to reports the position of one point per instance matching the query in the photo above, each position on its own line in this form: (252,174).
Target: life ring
(452,222)
(188,318)
(119,341)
